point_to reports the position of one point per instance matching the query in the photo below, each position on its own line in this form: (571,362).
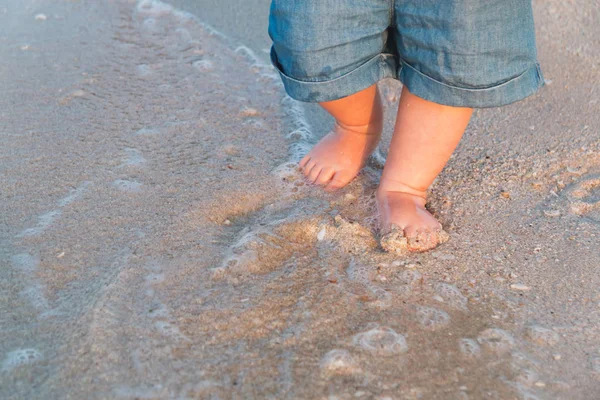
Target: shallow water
(159,242)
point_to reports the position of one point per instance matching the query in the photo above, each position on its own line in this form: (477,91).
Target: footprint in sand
(584,197)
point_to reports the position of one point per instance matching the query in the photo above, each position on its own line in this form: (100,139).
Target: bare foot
(340,155)
(405,222)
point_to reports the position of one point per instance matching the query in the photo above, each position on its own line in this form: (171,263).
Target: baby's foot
(405,222)
(340,155)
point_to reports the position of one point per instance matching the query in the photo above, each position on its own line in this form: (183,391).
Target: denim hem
(367,74)
(511,91)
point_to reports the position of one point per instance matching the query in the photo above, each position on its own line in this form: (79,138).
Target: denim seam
(404,63)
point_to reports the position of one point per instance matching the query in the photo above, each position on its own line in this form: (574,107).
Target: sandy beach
(158,242)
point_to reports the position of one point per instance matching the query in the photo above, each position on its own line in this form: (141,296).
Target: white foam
(153,8)
(469,348)
(541,336)
(134,157)
(20,357)
(45,220)
(203,65)
(339,362)
(496,341)
(127,185)
(35,295)
(170,330)
(25,262)
(451,296)
(144,70)
(381,341)
(432,318)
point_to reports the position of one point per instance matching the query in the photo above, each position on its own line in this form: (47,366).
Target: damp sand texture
(158,242)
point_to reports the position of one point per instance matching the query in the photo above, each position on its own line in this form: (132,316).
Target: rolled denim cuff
(377,68)
(513,90)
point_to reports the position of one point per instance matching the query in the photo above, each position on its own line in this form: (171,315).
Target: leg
(425,136)
(343,152)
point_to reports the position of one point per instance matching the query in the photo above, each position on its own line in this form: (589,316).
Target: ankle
(372,128)
(387,186)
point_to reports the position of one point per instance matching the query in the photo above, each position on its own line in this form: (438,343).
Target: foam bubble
(44,221)
(451,296)
(595,364)
(528,377)
(541,336)
(469,347)
(339,362)
(169,330)
(127,186)
(147,131)
(153,8)
(20,357)
(134,157)
(432,318)
(496,341)
(409,276)
(143,70)
(203,65)
(382,341)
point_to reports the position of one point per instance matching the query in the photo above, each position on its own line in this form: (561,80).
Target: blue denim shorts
(463,53)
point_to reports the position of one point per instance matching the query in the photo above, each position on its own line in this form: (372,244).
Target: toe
(308,167)
(424,240)
(337,181)
(411,232)
(325,176)
(304,161)
(314,173)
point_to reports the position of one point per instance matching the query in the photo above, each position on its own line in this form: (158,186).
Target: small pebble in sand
(557,357)
(396,263)
(41,17)
(506,195)
(249,112)
(349,197)
(552,213)
(78,93)
(321,234)
(410,266)
(227,222)
(520,286)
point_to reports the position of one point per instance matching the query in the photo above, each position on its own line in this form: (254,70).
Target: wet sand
(158,242)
